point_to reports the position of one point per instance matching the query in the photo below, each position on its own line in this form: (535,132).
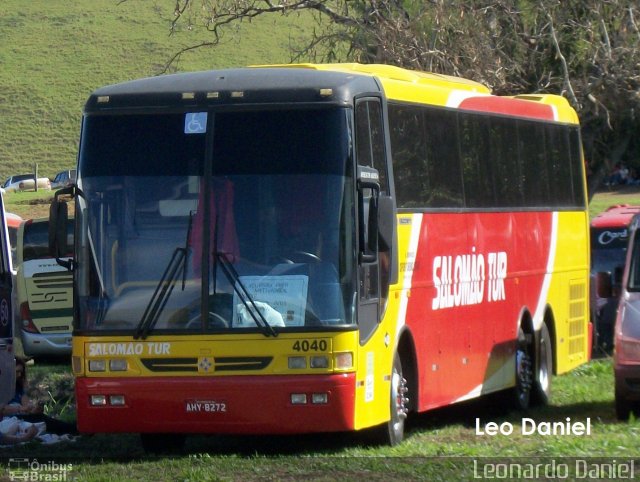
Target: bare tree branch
(563,61)
(588,50)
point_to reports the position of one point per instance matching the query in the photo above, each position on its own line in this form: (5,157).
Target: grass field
(440,445)
(54,54)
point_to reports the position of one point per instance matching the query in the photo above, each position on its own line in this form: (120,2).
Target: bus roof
(617,216)
(323,83)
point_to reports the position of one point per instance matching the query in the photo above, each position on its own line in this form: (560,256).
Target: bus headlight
(343,361)
(97,365)
(319,361)
(298,398)
(319,398)
(116,400)
(98,400)
(297,362)
(118,365)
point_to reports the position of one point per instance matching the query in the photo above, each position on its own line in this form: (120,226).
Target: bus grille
(577,317)
(220,364)
(53,280)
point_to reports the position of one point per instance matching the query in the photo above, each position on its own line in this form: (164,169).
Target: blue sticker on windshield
(195,123)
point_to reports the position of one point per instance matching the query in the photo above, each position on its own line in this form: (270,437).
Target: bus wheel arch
(402,389)
(545,360)
(406,351)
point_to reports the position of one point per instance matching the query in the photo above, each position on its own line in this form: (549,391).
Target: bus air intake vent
(220,364)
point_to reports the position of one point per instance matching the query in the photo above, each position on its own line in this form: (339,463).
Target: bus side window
(370,139)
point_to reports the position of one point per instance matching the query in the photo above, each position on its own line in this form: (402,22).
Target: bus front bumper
(221,405)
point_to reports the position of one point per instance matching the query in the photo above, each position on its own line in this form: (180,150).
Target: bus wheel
(399,404)
(162,443)
(542,390)
(524,372)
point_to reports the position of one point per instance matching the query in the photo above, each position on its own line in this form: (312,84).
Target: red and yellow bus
(318,248)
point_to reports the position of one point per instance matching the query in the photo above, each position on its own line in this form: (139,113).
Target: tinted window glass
(502,162)
(479,183)
(35,244)
(409,147)
(424,145)
(370,139)
(534,163)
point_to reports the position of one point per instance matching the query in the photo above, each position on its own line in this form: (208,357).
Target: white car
(25,182)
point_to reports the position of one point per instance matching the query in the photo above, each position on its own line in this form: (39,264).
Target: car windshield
(608,249)
(274,217)
(14,179)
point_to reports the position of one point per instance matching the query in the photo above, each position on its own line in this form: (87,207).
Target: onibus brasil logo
(25,469)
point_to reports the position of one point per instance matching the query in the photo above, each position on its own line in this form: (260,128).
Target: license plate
(205,406)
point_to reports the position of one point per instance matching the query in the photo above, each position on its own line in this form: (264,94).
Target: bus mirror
(386,222)
(58,217)
(368,197)
(387,230)
(604,286)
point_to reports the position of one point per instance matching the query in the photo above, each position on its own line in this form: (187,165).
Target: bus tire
(394,428)
(521,393)
(162,443)
(542,387)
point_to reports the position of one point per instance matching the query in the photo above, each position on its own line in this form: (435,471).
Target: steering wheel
(300,257)
(215,321)
(314,258)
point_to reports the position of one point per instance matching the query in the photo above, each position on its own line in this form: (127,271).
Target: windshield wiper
(177,265)
(244,295)
(161,294)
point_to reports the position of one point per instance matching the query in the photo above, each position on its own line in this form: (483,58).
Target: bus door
(374,206)
(7,358)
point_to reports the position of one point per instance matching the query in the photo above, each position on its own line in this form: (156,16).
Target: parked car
(609,239)
(25,182)
(45,292)
(63,179)
(627,327)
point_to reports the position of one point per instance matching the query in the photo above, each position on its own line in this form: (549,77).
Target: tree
(586,50)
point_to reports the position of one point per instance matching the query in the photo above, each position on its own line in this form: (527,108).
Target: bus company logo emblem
(30,469)
(19,468)
(204,365)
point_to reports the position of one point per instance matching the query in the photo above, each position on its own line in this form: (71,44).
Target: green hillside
(53,53)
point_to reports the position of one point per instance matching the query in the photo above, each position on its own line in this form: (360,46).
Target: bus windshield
(266,194)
